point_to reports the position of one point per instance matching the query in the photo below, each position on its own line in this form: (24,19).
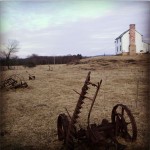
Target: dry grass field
(29,115)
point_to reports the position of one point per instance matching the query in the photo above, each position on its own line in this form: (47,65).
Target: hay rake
(14,81)
(95,135)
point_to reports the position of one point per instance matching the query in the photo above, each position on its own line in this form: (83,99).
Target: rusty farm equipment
(13,81)
(106,134)
(31,77)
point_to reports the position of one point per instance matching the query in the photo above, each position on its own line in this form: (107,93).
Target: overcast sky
(62,27)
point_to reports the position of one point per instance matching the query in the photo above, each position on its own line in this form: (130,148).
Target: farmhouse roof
(121,34)
(124,33)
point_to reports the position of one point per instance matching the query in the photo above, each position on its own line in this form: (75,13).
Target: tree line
(8,58)
(34,60)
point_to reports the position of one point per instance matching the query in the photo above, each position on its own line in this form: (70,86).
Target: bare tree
(8,49)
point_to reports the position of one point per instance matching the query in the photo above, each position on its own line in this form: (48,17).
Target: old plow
(106,134)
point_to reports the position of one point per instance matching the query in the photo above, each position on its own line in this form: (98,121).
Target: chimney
(132,46)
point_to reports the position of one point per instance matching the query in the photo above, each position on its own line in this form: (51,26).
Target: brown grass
(29,115)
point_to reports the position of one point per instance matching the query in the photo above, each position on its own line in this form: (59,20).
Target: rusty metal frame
(100,134)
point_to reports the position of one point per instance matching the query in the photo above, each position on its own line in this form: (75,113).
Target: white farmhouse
(131,42)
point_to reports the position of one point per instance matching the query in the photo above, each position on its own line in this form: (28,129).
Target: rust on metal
(105,134)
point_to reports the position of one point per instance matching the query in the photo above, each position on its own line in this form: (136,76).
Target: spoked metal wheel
(124,122)
(62,127)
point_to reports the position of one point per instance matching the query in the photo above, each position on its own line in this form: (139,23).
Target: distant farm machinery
(13,81)
(105,134)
